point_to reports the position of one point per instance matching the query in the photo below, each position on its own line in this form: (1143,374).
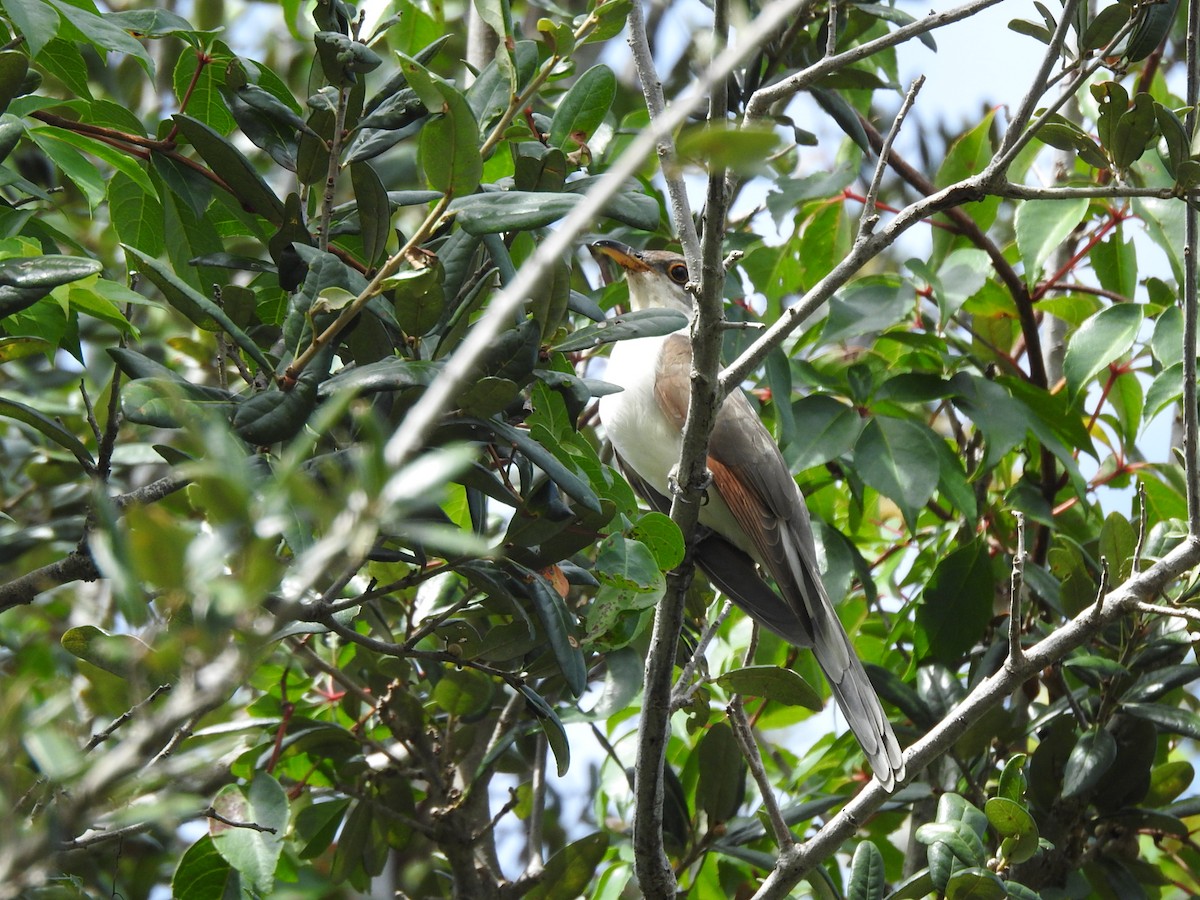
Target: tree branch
(795,862)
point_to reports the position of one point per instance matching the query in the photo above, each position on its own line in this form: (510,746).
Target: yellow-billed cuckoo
(756,512)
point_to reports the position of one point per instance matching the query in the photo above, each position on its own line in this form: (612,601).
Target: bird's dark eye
(678,273)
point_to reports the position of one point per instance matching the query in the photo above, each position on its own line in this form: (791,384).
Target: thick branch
(796,862)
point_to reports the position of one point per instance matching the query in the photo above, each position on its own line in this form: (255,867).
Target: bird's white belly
(647,441)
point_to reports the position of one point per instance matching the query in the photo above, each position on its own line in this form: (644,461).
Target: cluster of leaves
(405,636)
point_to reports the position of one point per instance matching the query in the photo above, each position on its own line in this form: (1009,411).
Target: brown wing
(752,478)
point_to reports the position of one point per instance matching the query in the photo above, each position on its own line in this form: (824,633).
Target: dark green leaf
(957,602)
(583,107)
(1090,760)
(722,774)
(55,431)
(772,683)
(868,878)
(636,324)
(199,310)
(1102,339)
(233,168)
(499,211)
(26,280)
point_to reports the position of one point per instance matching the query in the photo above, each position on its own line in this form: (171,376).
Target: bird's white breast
(640,433)
(647,441)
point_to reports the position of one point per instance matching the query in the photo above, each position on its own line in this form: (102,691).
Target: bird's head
(656,278)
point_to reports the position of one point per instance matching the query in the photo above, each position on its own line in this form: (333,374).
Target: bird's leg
(703,486)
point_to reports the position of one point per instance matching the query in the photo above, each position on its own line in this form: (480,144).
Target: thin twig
(211,813)
(1191,247)
(1179,612)
(101,736)
(870,218)
(1141,540)
(685,686)
(1015,653)
(742,731)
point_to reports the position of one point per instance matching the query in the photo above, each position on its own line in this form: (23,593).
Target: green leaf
(893,456)
(82,173)
(868,877)
(13,68)
(500,211)
(1090,759)
(957,602)
(274,415)
(36,20)
(772,683)
(552,726)
(1101,340)
(662,538)
(825,430)
(104,34)
(450,140)
(226,161)
(636,324)
(975,883)
(556,621)
(198,309)
(202,874)
(1041,227)
(252,852)
(51,429)
(26,280)
(1134,132)
(136,213)
(870,304)
(1012,820)
(1012,782)
(464,692)
(1115,263)
(583,107)
(374,211)
(722,774)
(571,870)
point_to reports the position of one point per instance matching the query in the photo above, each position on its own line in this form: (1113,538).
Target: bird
(754,512)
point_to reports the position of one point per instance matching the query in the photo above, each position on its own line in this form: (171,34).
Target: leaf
(552,726)
(1015,825)
(636,324)
(722,774)
(868,877)
(495,212)
(226,161)
(894,456)
(202,874)
(198,309)
(449,141)
(136,213)
(26,280)
(571,870)
(583,107)
(274,415)
(53,430)
(104,34)
(1041,227)
(869,304)
(772,683)
(825,430)
(957,602)
(1090,759)
(1102,339)
(662,538)
(253,852)
(556,623)
(374,211)
(37,22)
